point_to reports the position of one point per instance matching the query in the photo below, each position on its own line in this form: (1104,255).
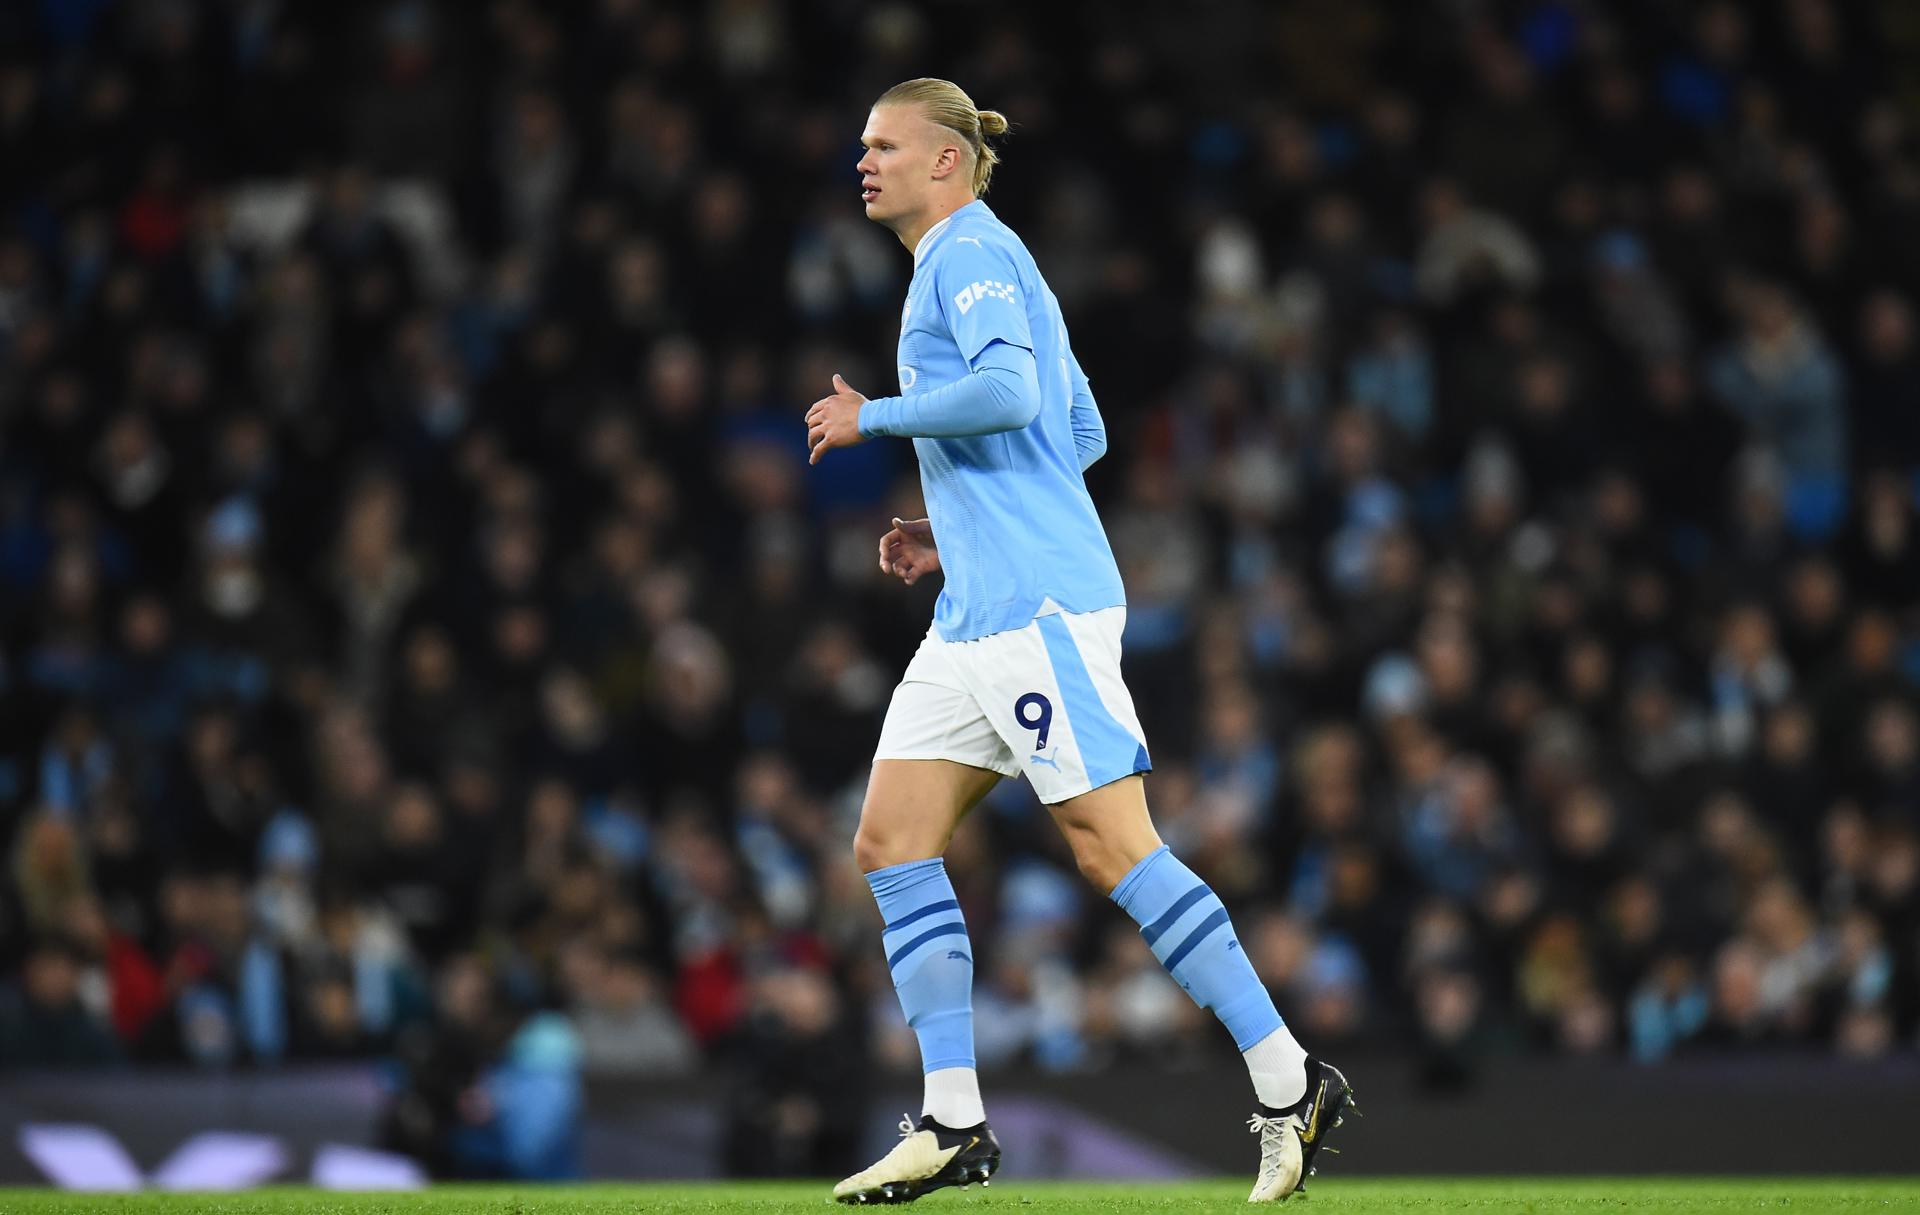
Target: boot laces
(1272,1132)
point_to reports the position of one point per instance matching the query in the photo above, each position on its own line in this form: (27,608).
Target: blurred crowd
(425,638)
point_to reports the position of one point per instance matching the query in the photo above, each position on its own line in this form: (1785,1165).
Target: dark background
(1704,1117)
(424,640)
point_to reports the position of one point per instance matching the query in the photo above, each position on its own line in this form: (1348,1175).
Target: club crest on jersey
(989,290)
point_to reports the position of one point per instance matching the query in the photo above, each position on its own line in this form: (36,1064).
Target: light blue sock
(930,957)
(1185,925)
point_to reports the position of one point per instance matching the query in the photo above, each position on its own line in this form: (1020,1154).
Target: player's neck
(913,231)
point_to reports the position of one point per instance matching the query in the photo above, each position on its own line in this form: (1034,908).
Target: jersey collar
(926,241)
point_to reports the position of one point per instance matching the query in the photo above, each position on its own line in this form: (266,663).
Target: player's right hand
(908,550)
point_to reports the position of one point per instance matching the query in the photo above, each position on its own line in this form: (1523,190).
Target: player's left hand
(834,421)
(909,551)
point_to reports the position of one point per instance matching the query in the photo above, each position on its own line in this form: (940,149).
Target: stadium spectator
(420,623)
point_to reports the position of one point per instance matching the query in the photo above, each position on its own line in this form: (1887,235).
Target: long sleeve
(1001,392)
(1089,431)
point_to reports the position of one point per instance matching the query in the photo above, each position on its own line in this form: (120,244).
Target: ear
(945,163)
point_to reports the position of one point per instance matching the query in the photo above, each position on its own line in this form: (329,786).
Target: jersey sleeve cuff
(876,415)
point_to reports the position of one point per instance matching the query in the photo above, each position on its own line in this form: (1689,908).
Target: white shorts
(1046,700)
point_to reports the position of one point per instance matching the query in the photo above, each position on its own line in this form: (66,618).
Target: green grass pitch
(1330,1195)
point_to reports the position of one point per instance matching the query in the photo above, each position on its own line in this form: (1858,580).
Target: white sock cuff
(1278,1065)
(953,1097)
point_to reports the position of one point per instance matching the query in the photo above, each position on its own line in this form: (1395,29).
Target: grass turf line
(1519,1195)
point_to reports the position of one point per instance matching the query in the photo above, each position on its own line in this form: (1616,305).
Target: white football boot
(927,1157)
(1292,1137)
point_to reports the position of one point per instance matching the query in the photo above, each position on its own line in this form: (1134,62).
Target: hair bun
(992,122)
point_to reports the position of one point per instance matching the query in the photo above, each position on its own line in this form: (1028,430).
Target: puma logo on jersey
(992,289)
(961,240)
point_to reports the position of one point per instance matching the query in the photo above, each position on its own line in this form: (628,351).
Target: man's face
(904,150)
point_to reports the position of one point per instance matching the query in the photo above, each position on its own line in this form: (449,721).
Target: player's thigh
(938,755)
(912,808)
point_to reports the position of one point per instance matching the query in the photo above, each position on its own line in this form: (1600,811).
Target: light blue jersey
(1000,466)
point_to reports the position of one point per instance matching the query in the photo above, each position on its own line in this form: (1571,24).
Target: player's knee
(879,849)
(1105,873)
(1098,862)
(869,851)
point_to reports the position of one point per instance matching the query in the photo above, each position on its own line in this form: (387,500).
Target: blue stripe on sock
(1152,931)
(942,930)
(1107,751)
(924,912)
(1195,937)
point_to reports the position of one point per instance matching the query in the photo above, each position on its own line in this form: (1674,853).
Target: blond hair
(947,104)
